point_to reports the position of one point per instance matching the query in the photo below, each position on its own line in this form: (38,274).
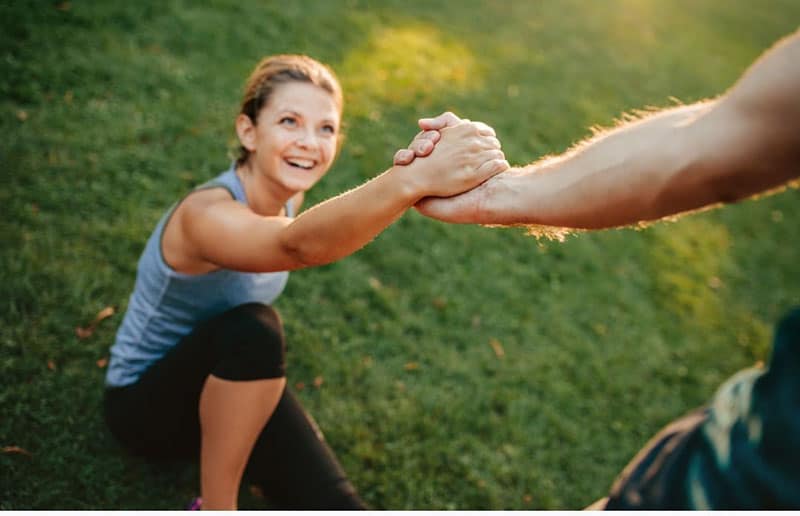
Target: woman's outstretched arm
(228,234)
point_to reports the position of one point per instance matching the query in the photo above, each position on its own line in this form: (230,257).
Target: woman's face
(295,137)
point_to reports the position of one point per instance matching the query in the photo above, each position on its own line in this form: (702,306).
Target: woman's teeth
(305,164)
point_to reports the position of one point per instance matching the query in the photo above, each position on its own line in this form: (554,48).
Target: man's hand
(481,205)
(459,209)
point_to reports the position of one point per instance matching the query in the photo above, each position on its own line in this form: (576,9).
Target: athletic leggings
(157,417)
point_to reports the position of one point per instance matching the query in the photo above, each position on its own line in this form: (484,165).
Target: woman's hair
(282,69)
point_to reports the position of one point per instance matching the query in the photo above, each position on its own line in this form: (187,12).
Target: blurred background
(450,367)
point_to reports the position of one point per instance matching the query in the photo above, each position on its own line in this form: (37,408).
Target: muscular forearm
(743,143)
(634,173)
(669,163)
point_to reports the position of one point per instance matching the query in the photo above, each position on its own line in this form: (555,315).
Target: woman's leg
(232,415)
(231,369)
(295,467)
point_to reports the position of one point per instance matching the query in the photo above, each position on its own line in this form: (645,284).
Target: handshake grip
(425,141)
(463,156)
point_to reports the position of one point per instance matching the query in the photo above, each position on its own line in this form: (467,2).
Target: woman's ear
(246,130)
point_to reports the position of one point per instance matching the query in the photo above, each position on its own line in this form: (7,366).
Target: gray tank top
(166,304)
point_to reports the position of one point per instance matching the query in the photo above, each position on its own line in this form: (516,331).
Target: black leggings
(157,417)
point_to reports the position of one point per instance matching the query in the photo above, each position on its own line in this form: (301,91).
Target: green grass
(110,111)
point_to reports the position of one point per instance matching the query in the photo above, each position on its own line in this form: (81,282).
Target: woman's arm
(224,233)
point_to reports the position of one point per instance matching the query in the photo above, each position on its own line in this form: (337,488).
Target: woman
(198,362)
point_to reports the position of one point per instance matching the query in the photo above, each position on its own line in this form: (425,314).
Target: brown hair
(282,69)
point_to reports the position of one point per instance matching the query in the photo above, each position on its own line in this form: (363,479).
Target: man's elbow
(758,179)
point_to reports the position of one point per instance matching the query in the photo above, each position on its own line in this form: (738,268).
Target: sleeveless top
(166,305)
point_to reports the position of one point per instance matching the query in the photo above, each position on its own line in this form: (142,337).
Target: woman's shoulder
(227,180)
(221,188)
(194,217)
(201,199)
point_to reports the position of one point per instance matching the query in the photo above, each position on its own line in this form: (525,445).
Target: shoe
(195,505)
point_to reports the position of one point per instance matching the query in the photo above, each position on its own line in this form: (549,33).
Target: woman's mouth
(305,164)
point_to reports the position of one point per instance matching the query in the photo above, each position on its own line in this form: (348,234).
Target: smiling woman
(198,362)
(291,145)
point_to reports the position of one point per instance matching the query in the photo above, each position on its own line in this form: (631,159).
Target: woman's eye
(329,129)
(288,120)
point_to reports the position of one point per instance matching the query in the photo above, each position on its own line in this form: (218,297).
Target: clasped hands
(464,207)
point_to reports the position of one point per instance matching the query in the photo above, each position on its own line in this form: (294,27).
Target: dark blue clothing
(740,452)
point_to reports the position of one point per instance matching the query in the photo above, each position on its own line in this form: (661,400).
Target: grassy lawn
(450,367)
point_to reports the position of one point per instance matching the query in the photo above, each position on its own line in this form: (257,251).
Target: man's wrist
(506,198)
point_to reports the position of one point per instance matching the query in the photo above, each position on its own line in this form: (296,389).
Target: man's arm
(676,160)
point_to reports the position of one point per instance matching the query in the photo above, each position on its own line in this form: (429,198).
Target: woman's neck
(263,197)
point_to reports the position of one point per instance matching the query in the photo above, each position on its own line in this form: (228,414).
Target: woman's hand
(424,142)
(466,155)
(422,145)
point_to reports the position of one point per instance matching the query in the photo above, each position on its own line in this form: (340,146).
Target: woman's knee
(255,346)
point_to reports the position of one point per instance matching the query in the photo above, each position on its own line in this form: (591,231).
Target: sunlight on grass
(632,23)
(688,260)
(406,66)
(691,260)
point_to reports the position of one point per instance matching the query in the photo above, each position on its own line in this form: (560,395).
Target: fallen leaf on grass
(411,366)
(299,386)
(439,302)
(51,365)
(17,450)
(101,363)
(318,381)
(22,115)
(84,332)
(497,347)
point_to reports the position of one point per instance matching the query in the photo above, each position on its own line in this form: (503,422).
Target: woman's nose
(306,139)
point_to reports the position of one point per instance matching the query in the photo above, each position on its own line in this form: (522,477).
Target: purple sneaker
(196,504)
